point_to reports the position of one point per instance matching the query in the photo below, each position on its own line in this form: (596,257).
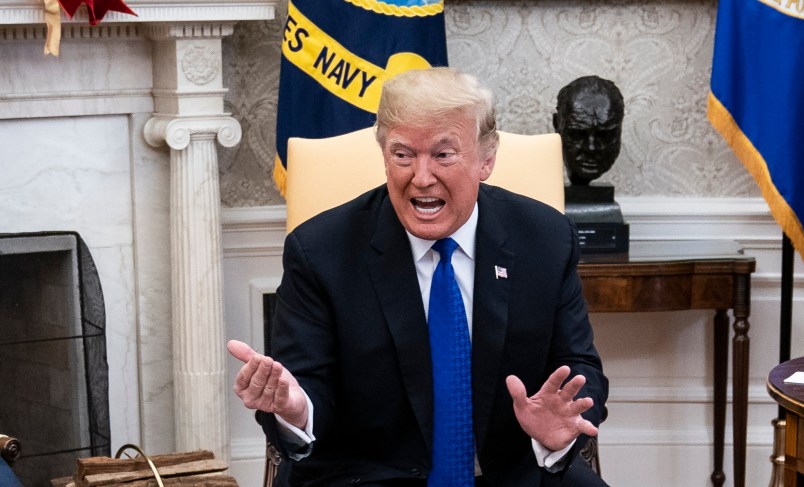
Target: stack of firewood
(191,469)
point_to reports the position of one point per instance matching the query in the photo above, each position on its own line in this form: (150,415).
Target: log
(201,480)
(165,471)
(98,465)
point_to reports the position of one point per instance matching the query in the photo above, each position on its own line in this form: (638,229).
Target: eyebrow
(447,139)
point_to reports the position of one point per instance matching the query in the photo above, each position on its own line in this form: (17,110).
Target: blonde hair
(420,97)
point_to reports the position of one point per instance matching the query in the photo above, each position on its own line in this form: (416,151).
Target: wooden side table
(684,275)
(791,398)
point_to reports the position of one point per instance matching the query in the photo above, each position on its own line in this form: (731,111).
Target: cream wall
(675,178)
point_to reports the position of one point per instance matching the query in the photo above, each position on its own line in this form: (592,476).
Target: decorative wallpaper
(658,53)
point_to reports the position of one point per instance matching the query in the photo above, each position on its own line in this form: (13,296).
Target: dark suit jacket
(350,326)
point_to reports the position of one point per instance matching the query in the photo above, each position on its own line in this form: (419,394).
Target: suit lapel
(490,314)
(393,275)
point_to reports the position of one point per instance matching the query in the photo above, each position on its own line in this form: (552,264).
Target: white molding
(747,220)
(758,435)
(35,31)
(254,217)
(254,231)
(249,250)
(24,12)
(75,103)
(79,95)
(677,208)
(248,449)
(667,390)
(190,29)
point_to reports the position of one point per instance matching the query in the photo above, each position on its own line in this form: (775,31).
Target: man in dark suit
(349,387)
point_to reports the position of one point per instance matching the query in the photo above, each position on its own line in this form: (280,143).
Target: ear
(487,166)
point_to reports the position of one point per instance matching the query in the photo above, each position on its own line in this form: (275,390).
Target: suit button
(415,471)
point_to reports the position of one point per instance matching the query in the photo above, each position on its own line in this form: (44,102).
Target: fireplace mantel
(27,89)
(31,12)
(116,139)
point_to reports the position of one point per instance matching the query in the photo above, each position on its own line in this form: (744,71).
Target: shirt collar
(465,236)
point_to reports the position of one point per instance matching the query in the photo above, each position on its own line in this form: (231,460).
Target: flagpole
(779,424)
(786,307)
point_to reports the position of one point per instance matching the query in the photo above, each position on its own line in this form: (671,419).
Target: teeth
(428,211)
(427,205)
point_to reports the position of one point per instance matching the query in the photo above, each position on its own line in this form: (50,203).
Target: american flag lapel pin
(500,272)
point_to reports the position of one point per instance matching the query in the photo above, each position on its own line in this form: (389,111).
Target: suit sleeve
(302,337)
(572,343)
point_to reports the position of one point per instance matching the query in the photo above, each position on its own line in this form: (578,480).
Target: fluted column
(188,98)
(199,382)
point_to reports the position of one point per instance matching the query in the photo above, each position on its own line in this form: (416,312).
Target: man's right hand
(265,384)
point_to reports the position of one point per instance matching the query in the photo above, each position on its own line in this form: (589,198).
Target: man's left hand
(552,416)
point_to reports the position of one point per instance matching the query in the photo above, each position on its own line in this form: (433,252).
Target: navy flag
(336,54)
(757,99)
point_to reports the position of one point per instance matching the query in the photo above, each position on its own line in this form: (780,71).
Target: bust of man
(589,116)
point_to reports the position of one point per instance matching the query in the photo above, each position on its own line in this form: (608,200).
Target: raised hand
(552,416)
(264,384)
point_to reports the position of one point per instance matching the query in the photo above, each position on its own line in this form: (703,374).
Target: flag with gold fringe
(757,99)
(336,54)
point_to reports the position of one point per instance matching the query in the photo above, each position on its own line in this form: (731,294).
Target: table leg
(791,476)
(740,344)
(721,359)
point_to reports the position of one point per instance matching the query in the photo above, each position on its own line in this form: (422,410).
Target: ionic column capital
(176,132)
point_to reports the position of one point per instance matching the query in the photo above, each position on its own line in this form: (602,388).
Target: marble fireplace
(116,140)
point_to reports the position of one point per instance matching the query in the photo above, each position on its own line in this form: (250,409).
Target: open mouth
(427,205)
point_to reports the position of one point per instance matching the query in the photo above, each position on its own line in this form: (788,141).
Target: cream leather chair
(323,173)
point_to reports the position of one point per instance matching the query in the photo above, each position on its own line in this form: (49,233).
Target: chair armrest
(10,449)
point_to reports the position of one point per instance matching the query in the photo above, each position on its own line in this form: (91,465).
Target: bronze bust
(589,116)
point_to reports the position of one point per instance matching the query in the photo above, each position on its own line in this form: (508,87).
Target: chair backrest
(323,173)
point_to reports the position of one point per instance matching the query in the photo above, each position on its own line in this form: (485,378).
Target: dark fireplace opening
(53,367)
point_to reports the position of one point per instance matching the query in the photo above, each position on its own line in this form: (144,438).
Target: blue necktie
(451,350)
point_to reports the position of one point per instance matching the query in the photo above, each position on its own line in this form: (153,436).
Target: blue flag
(757,99)
(336,54)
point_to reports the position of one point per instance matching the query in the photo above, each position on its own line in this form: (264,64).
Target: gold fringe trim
(784,215)
(53,21)
(280,176)
(397,11)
